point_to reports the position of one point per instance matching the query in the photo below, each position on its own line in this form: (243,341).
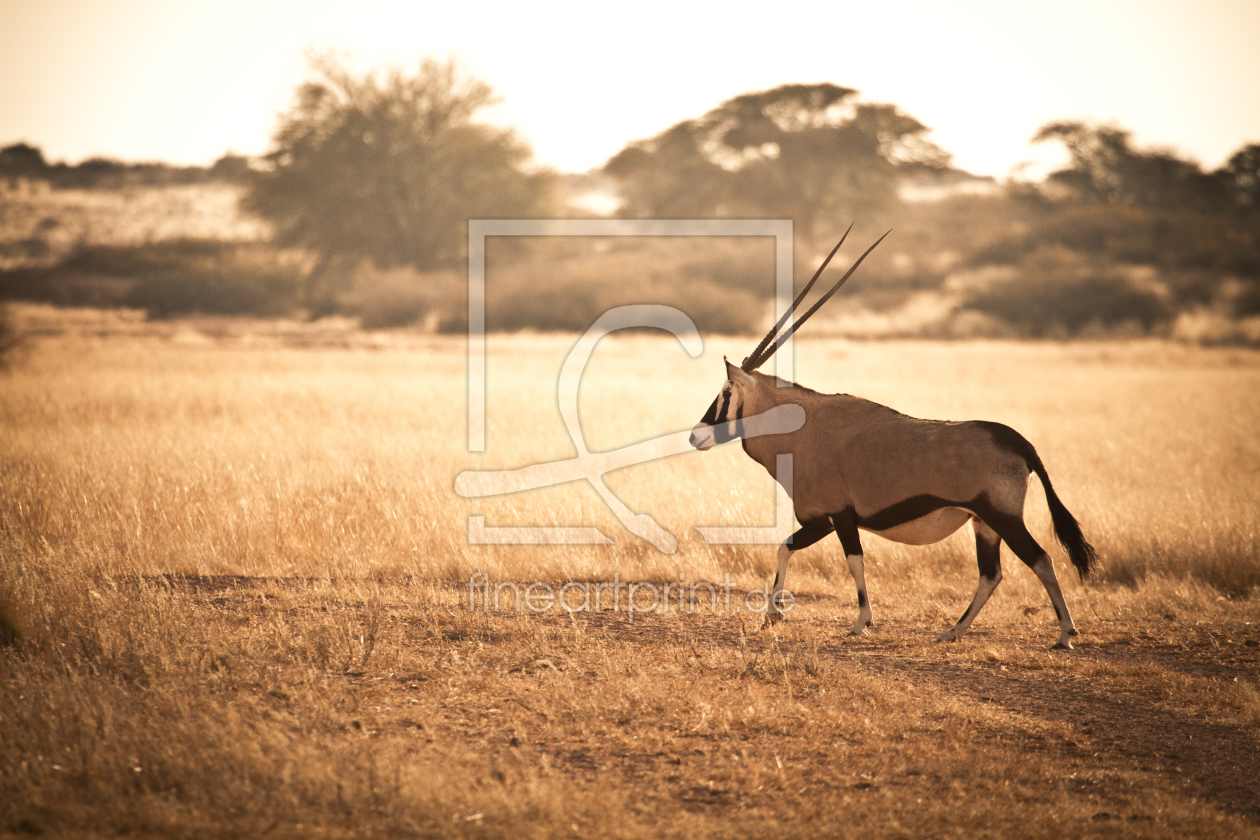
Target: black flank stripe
(909,510)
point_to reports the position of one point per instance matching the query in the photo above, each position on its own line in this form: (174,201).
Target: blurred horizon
(185,84)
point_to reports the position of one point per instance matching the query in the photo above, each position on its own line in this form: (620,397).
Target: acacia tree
(1106,169)
(390,169)
(805,152)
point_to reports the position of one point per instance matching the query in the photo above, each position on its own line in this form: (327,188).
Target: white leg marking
(1044,570)
(858,569)
(773,614)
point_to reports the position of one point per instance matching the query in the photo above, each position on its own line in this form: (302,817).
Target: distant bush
(1056,292)
(399,297)
(21,161)
(1169,239)
(203,276)
(1123,236)
(173,277)
(574,306)
(566,283)
(10,345)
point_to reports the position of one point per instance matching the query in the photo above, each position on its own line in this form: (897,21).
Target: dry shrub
(12,341)
(400,297)
(1055,290)
(208,277)
(564,283)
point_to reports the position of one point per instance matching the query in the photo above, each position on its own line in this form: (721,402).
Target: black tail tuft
(1066,528)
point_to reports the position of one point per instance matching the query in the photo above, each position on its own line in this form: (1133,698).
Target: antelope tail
(1066,529)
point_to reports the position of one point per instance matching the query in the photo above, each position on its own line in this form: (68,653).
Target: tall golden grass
(350,690)
(146,456)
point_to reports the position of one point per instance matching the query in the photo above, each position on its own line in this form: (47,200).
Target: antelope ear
(736,374)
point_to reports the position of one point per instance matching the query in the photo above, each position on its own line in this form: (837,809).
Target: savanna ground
(231,568)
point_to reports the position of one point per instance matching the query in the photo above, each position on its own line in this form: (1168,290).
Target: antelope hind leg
(1035,557)
(989,559)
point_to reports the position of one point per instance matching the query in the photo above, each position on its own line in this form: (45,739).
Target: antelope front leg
(809,533)
(858,569)
(773,614)
(845,524)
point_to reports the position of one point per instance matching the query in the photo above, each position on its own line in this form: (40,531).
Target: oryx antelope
(858,465)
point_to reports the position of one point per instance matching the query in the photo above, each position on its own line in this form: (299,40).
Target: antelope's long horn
(757,361)
(792,309)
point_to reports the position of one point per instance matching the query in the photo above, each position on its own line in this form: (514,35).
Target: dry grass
(227,601)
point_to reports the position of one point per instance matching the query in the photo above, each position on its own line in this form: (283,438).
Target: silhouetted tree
(21,160)
(1242,174)
(389,170)
(1106,168)
(805,152)
(231,168)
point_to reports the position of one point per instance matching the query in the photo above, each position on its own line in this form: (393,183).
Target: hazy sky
(186,80)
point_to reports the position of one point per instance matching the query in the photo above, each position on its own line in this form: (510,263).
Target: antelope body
(858,465)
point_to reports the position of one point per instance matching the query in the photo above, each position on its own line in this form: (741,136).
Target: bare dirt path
(1112,722)
(1102,720)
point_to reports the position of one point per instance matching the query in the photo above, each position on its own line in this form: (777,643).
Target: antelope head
(724,419)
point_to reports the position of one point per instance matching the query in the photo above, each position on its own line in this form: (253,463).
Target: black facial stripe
(710,416)
(721,426)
